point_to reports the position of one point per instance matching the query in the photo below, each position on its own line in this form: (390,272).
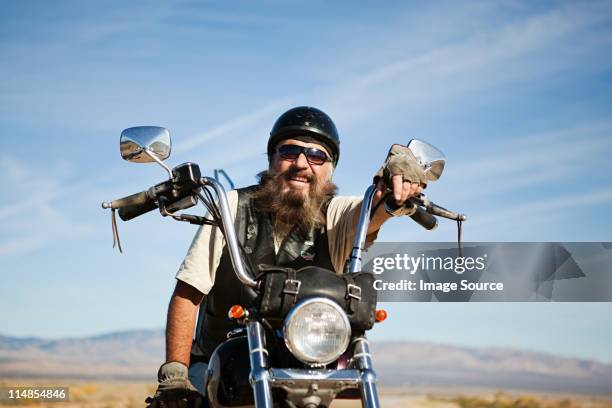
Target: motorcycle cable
(459,230)
(116,240)
(207,200)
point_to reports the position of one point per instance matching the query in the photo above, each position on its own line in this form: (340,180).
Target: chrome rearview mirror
(430,158)
(145,144)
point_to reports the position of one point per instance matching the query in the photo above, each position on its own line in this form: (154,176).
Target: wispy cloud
(46,221)
(17,177)
(237,128)
(547,207)
(430,77)
(438,76)
(21,245)
(522,161)
(504,53)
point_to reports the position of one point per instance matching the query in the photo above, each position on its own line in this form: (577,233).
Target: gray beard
(289,206)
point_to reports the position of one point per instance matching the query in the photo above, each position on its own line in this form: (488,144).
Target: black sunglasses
(313,156)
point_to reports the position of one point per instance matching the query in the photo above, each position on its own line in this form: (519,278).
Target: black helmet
(306,121)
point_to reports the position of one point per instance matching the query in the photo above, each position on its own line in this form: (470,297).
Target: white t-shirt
(201,262)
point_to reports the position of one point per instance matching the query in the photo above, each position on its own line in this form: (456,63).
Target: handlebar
(135,199)
(435,209)
(426,211)
(135,205)
(424,215)
(133,211)
(424,219)
(184,183)
(187,181)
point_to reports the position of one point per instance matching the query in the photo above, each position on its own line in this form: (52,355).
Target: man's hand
(402,174)
(175,390)
(404,177)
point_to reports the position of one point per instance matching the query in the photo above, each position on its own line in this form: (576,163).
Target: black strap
(353,293)
(290,291)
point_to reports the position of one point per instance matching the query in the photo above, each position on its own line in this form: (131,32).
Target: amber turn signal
(381,315)
(236,312)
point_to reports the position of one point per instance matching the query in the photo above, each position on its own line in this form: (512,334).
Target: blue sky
(517,94)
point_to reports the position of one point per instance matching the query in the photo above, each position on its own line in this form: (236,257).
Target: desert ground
(125,394)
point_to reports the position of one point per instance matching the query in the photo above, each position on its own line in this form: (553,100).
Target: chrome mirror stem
(156,159)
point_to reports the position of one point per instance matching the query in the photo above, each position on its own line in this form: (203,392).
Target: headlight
(317,331)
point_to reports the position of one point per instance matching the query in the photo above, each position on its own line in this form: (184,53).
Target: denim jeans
(197,375)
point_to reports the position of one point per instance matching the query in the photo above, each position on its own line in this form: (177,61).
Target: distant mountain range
(135,355)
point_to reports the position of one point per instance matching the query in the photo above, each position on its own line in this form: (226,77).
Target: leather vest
(255,235)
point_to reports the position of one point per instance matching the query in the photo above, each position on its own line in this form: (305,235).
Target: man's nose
(301,161)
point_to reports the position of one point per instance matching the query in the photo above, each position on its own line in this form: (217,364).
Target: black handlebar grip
(135,199)
(134,205)
(133,211)
(424,219)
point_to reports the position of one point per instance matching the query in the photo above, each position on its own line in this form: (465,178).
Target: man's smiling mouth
(299,179)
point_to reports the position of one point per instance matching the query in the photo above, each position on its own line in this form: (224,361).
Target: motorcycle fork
(361,349)
(368,386)
(258,355)
(260,376)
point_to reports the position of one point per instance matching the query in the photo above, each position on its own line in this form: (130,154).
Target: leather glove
(174,389)
(394,210)
(400,160)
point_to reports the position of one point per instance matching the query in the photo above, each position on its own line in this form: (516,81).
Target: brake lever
(192,219)
(434,209)
(423,202)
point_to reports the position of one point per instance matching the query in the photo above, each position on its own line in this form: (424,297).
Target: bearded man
(292,218)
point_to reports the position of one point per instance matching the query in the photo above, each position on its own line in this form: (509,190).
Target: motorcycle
(302,353)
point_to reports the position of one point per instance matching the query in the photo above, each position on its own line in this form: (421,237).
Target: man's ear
(331,173)
(272,162)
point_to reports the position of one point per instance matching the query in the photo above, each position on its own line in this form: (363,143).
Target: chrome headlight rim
(298,353)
